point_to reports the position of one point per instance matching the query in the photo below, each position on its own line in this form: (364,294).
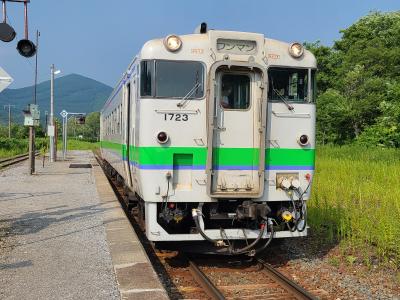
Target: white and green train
(214,135)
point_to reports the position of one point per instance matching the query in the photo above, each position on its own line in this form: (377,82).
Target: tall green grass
(356,197)
(79,145)
(11,146)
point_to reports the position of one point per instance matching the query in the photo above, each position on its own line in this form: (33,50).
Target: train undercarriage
(226,226)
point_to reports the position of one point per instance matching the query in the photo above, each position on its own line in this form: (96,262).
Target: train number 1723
(176,117)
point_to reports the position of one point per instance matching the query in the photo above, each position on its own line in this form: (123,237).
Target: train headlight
(303,140)
(172,43)
(162,137)
(296,50)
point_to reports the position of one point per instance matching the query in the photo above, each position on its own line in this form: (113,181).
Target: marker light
(172,43)
(308,176)
(303,140)
(296,50)
(162,137)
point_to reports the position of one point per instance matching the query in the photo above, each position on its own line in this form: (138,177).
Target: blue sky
(98,38)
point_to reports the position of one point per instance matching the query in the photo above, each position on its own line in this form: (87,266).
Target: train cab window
(179,79)
(288,84)
(235,91)
(172,79)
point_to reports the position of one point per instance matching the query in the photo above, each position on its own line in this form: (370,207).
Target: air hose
(250,246)
(303,213)
(196,216)
(271,236)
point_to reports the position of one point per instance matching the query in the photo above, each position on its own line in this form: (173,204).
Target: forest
(359,83)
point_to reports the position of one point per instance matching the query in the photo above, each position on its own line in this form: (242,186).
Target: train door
(237,162)
(132,129)
(127,135)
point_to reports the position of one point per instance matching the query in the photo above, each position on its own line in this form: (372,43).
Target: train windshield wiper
(190,93)
(290,107)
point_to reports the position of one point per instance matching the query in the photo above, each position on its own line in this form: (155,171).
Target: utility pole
(9,118)
(52,131)
(32,149)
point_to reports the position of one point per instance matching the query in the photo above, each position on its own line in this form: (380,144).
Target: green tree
(89,131)
(358,82)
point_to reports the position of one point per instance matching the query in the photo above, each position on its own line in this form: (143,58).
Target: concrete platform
(63,235)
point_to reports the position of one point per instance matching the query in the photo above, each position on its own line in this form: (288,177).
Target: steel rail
(209,288)
(15,159)
(289,285)
(12,158)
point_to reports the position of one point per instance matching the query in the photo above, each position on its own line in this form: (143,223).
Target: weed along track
(213,276)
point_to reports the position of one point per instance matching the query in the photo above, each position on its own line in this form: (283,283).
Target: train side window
(146,75)
(235,91)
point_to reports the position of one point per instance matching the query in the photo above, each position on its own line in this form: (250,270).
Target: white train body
(217,121)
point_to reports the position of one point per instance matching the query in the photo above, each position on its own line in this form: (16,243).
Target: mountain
(74,93)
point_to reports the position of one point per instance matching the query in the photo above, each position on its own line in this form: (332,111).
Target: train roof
(203,46)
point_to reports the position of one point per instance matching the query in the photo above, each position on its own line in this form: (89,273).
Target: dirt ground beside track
(315,264)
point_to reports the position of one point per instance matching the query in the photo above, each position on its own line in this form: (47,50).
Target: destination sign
(236,46)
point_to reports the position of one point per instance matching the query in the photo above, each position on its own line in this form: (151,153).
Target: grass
(79,145)
(356,198)
(11,147)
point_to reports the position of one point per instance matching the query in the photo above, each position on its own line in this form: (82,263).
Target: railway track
(216,277)
(5,162)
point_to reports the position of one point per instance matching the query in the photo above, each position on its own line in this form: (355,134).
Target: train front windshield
(172,79)
(290,84)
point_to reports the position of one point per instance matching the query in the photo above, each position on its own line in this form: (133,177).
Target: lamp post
(51,128)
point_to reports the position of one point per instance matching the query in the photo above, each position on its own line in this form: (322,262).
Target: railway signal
(7,33)
(25,47)
(80,120)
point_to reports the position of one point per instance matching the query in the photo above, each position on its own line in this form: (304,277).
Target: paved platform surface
(63,235)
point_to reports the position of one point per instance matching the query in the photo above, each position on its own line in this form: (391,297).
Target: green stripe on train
(222,156)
